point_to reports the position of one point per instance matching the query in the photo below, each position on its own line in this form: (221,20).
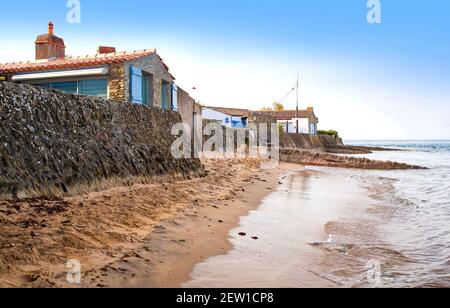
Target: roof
(290,114)
(232,111)
(75,62)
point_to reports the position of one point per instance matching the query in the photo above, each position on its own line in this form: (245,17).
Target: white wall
(302,123)
(210,114)
(225,119)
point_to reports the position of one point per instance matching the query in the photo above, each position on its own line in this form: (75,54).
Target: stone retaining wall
(52,142)
(310,142)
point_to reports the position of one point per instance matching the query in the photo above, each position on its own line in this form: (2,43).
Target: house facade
(229,117)
(288,119)
(235,117)
(139,77)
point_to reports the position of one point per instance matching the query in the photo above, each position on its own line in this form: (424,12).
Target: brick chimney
(49,46)
(105,49)
(310,109)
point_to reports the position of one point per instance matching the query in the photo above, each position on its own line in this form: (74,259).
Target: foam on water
(418,207)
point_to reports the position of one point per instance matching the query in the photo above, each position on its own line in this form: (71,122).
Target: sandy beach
(137,236)
(240,226)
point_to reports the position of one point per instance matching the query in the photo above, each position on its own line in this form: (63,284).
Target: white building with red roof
(306,120)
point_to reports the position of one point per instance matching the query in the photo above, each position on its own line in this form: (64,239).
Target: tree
(329,133)
(278,106)
(275,107)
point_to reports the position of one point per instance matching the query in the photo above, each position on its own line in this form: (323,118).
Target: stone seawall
(310,158)
(310,142)
(51,142)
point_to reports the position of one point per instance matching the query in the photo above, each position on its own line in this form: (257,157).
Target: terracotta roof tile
(232,111)
(238,112)
(74,62)
(289,114)
(280,115)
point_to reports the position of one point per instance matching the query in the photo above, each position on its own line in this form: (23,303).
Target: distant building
(236,118)
(139,77)
(307,120)
(230,117)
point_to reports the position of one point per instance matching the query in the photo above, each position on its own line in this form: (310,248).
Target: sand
(291,239)
(137,236)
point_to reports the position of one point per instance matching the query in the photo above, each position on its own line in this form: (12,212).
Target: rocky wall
(51,142)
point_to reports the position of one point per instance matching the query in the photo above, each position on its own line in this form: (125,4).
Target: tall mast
(297,111)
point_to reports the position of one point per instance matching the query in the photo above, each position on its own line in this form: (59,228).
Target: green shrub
(329,133)
(280,129)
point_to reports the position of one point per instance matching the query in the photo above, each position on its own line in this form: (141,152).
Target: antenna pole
(297,111)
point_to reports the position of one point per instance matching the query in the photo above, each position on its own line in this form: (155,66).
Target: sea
(335,227)
(413,212)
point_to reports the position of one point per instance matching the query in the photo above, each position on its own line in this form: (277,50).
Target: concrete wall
(310,142)
(292,124)
(52,142)
(188,108)
(306,126)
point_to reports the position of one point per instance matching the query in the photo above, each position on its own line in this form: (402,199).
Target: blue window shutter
(145,90)
(136,94)
(163,95)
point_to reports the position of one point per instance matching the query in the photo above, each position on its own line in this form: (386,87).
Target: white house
(230,117)
(307,120)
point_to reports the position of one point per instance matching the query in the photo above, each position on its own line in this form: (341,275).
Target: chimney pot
(51,28)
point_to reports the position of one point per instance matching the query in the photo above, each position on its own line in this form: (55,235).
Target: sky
(388,80)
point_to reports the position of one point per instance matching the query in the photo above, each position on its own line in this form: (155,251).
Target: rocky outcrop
(311,158)
(346,149)
(51,142)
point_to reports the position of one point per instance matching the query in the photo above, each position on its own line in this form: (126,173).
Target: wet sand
(285,242)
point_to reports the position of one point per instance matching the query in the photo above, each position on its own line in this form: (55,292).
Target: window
(94,87)
(43,85)
(166,95)
(70,87)
(147,88)
(90,87)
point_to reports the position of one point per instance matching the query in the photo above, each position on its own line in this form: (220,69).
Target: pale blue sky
(366,80)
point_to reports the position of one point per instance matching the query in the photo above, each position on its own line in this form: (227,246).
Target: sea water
(412,212)
(333,227)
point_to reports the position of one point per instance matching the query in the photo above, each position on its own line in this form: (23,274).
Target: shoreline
(162,235)
(185,240)
(293,227)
